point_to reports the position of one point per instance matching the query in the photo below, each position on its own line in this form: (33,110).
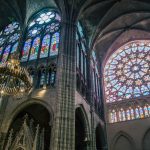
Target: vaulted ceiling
(104,20)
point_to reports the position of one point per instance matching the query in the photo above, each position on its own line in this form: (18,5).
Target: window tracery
(127,72)
(9,38)
(129,113)
(42,39)
(126,77)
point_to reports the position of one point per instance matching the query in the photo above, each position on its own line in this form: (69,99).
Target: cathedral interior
(86,75)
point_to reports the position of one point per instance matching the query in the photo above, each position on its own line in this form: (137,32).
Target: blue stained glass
(52,78)
(54,44)
(6,53)
(35,48)
(1,50)
(42,79)
(14,48)
(132,113)
(26,49)
(45,46)
(128,114)
(146,111)
(128,51)
(141,112)
(137,113)
(114,62)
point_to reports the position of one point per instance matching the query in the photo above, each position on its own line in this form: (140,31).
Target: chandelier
(14,79)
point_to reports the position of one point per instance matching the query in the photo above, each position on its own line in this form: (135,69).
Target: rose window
(127,72)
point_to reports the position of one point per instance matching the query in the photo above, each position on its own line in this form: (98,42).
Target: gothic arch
(146,139)
(82,123)
(127,139)
(24,105)
(45,118)
(100,137)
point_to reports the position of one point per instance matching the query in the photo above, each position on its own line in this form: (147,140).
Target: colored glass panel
(132,113)
(54,44)
(137,113)
(141,112)
(52,79)
(26,49)
(127,66)
(45,46)
(42,79)
(2,40)
(120,116)
(146,111)
(128,114)
(14,48)
(14,38)
(123,115)
(1,50)
(44,18)
(6,53)
(11,28)
(35,48)
(113,116)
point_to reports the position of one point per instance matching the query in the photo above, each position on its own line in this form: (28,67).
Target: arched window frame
(35,30)
(9,40)
(122,91)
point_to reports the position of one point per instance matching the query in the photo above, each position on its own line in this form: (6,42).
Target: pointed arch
(28,107)
(9,119)
(82,111)
(82,129)
(126,141)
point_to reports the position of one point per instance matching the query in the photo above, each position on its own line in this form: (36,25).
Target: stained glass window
(1,50)
(128,114)
(14,48)
(148,108)
(137,113)
(43,31)
(9,37)
(45,46)
(54,44)
(6,53)
(113,116)
(126,73)
(26,50)
(146,111)
(132,113)
(35,48)
(141,112)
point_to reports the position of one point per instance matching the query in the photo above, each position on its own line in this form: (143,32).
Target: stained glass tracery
(54,44)
(45,46)
(138,112)
(35,48)
(126,73)
(9,37)
(45,26)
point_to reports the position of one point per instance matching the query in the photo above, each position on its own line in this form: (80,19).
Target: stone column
(63,131)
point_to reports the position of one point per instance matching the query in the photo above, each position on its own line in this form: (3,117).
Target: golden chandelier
(14,79)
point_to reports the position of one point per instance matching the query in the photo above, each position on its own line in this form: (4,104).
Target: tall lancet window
(42,36)
(9,38)
(127,77)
